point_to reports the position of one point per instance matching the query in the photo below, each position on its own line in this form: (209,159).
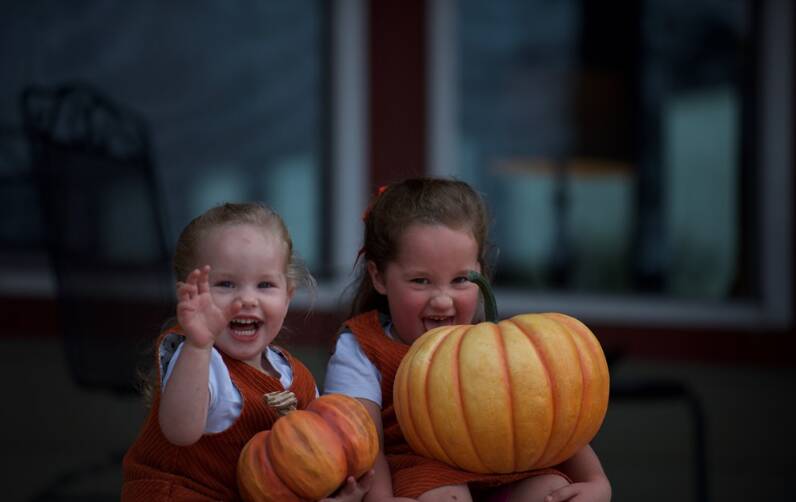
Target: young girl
(422,236)
(236,275)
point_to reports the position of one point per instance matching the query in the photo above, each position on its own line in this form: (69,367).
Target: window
(244,101)
(635,159)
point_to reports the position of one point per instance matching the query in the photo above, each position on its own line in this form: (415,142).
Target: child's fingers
(183,295)
(185,291)
(366,480)
(193,277)
(203,280)
(350,486)
(347,489)
(562,494)
(353,486)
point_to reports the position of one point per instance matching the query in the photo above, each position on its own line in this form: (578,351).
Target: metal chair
(666,389)
(104,229)
(105,234)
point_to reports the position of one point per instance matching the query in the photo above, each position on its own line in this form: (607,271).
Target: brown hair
(425,200)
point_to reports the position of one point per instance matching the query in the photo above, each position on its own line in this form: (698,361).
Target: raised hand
(197,313)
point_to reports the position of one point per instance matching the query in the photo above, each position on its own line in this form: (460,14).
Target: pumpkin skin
(525,393)
(308,453)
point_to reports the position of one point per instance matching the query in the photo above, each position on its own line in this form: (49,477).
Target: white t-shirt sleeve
(350,372)
(226,402)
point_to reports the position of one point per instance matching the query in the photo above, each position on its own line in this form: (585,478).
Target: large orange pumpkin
(309,453)
(525,393)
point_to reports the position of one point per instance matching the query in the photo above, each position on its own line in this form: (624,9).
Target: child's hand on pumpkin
(598,490)
(353,490)
(197,313)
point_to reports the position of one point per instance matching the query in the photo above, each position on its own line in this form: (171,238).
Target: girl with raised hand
(237,273)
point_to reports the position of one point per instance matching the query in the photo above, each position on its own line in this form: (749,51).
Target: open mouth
(432,322)
(244,327)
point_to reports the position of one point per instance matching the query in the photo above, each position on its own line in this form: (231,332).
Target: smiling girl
(237,273)
(422,236)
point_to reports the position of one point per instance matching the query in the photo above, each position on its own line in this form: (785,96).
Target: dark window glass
(613,145)
(232,93)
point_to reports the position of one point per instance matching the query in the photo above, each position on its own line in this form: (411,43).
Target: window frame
(347,129)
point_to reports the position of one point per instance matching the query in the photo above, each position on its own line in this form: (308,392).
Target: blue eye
(224,284)
(419,280)
(266,285)
(460,280)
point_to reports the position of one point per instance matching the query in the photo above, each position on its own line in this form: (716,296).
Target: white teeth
(244,327)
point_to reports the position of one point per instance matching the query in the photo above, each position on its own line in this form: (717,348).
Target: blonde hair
(247,213)
(424,200)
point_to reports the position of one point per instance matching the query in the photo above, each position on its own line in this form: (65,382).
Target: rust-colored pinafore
(156,470)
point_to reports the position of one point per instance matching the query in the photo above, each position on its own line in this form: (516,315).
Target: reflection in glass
(608,142)
(233,94)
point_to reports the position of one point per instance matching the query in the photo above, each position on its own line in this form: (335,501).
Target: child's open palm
(197,313)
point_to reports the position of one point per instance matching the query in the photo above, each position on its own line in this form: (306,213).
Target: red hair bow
(379,191)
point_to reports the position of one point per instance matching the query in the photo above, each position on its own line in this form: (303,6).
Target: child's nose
(441,300)
(247,299)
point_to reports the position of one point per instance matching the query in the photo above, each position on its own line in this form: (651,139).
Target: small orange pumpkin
(309,453)
(525,393)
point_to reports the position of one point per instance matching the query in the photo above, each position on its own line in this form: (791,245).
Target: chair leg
(58,489)
(655,390)
(700,455)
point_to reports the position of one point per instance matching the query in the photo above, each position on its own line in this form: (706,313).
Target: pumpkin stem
(490,305)
(282,401)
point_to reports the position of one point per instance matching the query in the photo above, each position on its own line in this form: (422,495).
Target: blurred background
(637,162)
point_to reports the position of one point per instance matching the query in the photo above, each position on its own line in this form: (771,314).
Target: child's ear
(376,278)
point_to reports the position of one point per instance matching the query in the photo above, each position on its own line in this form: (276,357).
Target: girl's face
(247,264)
(426,285)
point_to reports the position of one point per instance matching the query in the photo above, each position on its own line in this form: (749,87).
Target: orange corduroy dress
(156,470)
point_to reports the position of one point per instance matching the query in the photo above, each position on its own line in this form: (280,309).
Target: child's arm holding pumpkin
(381,488)
(184,400)
(589,482)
